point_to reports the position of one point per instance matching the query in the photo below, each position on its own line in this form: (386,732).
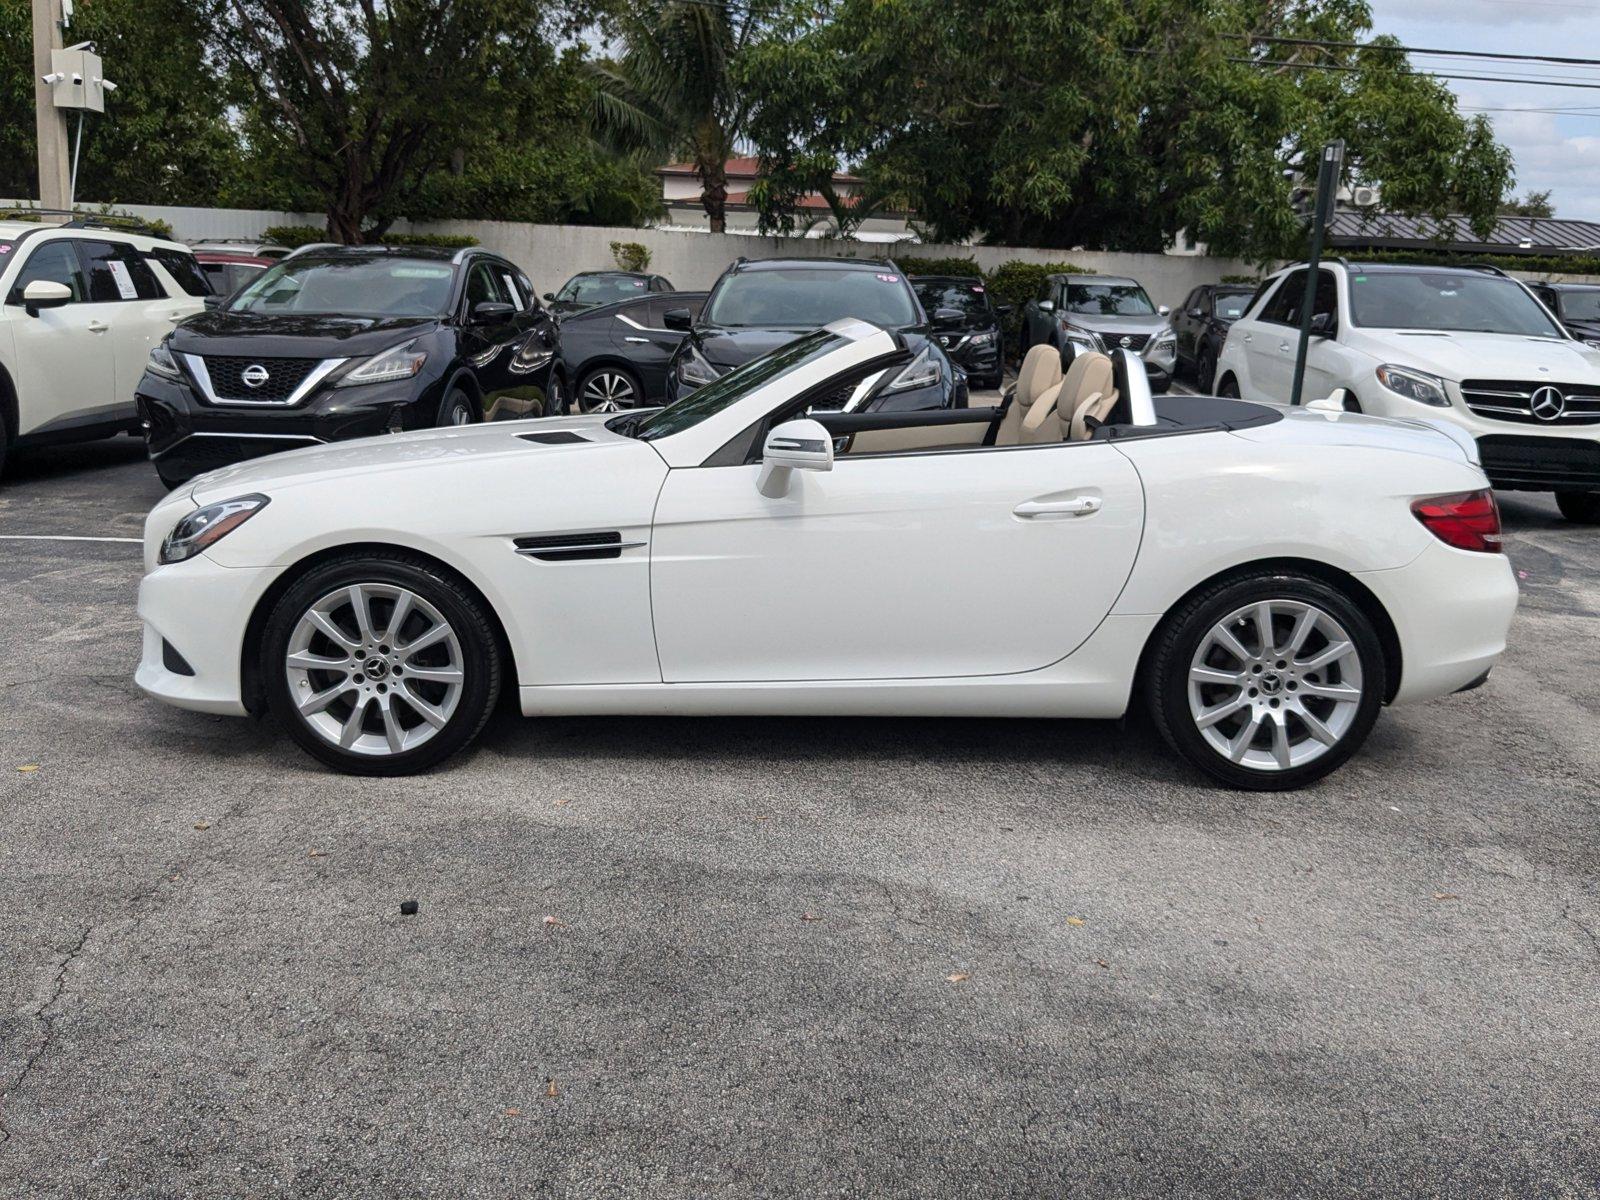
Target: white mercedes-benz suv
(1469,345)
(81,306)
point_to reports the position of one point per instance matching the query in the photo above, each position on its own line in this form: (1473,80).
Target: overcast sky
(1559,151)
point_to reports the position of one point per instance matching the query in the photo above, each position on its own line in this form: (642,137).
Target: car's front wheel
(608,390)
(1582,507)
(1267,682)
(380,665)
(458,409)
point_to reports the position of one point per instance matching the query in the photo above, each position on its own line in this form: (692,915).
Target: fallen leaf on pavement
(551,921)
(28,768)
(958,977)
(202,824)
(808,916)
(513,1112)
(1074,920)
(1100,962)
(318,854)
(561,803)
(552,1091)
(1445,896)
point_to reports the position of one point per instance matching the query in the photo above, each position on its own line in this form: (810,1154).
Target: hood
(464,449)
(1151,323)
(735,347)
(970,323)
(1458,356)
(294,335)
(1302,426)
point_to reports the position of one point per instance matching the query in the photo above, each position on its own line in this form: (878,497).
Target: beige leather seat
(1087,391)
(1040,375)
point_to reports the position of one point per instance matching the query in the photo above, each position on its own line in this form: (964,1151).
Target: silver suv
(1102,312)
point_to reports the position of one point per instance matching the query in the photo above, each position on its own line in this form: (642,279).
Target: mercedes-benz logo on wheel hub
(1548,403)
(254,375)
(1271,685)
(375,668)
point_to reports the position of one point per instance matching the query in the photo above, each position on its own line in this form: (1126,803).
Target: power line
(1484,54)
(1343,67)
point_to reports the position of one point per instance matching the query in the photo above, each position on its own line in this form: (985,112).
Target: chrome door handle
(1246,339)
(1047,510)
(1283,347)
(644,341)
(97,327)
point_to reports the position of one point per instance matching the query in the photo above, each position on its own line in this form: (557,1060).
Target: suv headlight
(397,362)
(981,339)
(1163,349)
(925,370)
(161,362)
(1086,338)
(694,369)
(205,527)
(1414,385)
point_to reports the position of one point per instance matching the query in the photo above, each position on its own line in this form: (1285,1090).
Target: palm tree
(672,90)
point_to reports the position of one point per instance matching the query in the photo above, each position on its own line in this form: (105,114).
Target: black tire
(1228,388)
(480,665)
(5,443)
(170,480)
(458,408)
(555,396)
(1351,403)
(621,376)
(1205,372)
(1580,507)
(1180,638)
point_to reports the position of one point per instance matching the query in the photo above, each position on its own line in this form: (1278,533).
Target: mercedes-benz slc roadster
(1263,580)
(344,342)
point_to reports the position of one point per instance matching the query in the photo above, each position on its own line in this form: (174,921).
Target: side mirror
(803,445)
(1162,310)
(1002,310)
(213,301)
(680,319)
(1047,306)
(1322,325)
(947,318)
(1195,313)
(45,293)
(492,312)
(550,296)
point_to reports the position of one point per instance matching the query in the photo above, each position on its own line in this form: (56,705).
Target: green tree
(1534,204)
(674,89)
(1112,123)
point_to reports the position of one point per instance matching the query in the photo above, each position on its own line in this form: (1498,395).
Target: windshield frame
(1556,331)
(290,263)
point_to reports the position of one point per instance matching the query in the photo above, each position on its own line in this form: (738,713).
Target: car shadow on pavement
(60,462)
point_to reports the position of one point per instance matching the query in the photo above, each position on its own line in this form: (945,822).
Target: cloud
(1498,13)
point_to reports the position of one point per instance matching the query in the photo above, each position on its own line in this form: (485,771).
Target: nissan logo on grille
(254,375)
(1125,342)
(1548,404)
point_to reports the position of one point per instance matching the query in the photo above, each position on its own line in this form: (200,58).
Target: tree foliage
(1112,123)
(1534,204)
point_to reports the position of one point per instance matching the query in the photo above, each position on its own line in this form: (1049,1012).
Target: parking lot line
(63,537)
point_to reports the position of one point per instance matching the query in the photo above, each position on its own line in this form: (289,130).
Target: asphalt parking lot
(737,957)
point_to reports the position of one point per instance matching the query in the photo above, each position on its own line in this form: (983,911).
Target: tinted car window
(227,278)
(379,286)
(600,289)
(55,262)
(1109,299)
(1464,302)
(714,397)
(118,272)
(1231,305)
(1284,307)
(183,268)
(967,297)
(484,286)
(810,297)
(1580,306)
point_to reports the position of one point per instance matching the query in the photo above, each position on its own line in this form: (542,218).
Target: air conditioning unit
(1364,197)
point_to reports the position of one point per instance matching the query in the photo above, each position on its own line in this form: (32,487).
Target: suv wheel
(1205,371)
(1267,682)
(5,442)
(1582,507)
(608,390)
(380,665)
(457,409)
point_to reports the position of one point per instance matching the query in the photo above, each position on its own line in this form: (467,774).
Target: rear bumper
(200,610)
(1451,610)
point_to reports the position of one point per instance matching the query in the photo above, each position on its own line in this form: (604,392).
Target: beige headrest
(1089,373)
(1040,371)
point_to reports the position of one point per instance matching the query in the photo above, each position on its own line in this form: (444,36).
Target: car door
(1269,341)
(66,368)
(892,566)
(506,354)
(126,297)
(1187,322)
(639,334)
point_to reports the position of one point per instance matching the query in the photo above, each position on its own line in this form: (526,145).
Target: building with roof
(1363,229)
(680,192)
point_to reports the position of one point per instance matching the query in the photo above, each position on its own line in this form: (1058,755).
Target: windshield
(1231,307)
(967,297)
(810,297)
(1109,299)
(1444,300)
(1581,306)
(599,289)
(736,384)
(380,286)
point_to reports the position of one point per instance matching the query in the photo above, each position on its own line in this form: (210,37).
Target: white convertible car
(784,542)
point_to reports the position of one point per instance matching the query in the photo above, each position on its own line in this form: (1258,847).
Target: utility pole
(49,121)
(1327,188)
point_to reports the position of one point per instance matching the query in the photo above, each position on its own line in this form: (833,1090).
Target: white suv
(1470,345)
(81,305)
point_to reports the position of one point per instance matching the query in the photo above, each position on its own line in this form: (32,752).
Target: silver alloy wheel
(1275,685)
(374,669)
(606,392)
(461,415)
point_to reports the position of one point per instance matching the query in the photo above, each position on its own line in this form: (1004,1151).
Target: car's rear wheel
(1267,682)
(458,408)
(1229,388)
(5,442)
(1582,507)
(608,390)
(1205,370)
(380,665)
(171,479)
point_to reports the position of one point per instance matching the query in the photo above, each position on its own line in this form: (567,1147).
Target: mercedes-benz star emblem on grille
(254,375)
(1125,342)
(1548,403)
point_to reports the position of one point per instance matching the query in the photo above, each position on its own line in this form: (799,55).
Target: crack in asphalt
(47,1018)
(1594,938)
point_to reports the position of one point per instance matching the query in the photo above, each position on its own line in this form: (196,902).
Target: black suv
(587,289)
(757,306)
(1577,305)
(976,344)
(1201,325)
(342,342)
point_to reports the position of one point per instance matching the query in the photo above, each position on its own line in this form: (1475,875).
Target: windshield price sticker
(889,278)
(119,272)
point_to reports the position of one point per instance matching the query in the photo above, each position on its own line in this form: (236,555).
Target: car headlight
(204,527)
(1414,385)
(397,362)
(694,369)
(925,370)
(1163,349)
(161,362)
(981,339)
(1088,339)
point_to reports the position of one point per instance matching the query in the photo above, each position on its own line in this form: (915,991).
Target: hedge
(631,256)
(294,236)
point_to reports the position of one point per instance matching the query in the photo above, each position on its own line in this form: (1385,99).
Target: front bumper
(186,437)
(194,615)
(982,362)
(1519,463)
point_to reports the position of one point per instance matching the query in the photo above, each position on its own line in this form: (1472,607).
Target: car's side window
(514,295)
(53,262)
(483,287)
(184,270)
(117,273)
(1283,305)
(1193,300)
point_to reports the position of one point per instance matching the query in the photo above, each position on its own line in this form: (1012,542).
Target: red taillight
(1466,520)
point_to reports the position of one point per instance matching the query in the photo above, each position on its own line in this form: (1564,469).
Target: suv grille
(283,376)
(1512,400)
(1114,340)
(1540,462)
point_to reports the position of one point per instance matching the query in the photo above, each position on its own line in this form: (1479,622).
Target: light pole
(1327,187)
(75,82)
(50,123)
